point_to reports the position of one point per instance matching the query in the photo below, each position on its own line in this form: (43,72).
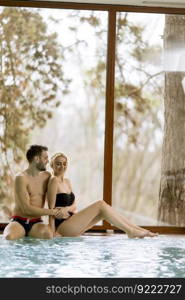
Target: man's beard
(41,167)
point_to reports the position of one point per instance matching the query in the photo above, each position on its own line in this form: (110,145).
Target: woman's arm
(51,196)
(72,208)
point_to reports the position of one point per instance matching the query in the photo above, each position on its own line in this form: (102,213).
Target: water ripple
(94,256)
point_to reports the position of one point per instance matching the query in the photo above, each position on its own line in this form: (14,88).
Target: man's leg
(41,231)
(13,231)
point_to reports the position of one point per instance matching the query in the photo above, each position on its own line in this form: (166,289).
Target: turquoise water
(94,256)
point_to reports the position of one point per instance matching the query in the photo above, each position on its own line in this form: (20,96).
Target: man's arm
(23,198)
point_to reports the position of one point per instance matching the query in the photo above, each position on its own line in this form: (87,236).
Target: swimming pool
(94,256)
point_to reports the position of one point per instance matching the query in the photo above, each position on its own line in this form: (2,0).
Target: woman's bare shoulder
(53,179)
(52,183)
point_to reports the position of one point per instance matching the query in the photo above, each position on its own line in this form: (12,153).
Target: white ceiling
(159,3)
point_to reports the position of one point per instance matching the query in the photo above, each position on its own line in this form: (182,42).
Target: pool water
(94,256)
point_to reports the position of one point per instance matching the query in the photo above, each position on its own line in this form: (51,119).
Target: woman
(76,223)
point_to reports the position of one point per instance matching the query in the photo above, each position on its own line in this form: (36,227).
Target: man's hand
(62,213)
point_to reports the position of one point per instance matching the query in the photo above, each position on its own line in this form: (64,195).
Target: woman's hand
(62,213)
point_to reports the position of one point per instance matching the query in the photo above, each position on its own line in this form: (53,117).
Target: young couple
(34,185)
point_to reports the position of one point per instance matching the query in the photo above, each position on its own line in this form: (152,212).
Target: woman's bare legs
(148,232)
(93,222)
(99,218)
(80,222)
(90,224)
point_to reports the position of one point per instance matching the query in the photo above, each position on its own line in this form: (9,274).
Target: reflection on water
(94,256)
(172,262)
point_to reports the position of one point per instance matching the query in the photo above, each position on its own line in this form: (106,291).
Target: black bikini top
(64,199)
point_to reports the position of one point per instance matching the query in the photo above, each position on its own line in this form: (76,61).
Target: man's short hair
(35,150)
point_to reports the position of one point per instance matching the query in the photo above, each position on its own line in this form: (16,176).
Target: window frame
(110,79)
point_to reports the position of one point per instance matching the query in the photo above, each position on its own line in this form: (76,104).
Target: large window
(58,88)
(59,73)
(77,126)
(138,116)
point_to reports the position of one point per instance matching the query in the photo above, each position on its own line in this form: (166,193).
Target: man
(30,194)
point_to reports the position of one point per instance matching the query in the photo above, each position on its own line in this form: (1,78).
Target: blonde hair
(56,155)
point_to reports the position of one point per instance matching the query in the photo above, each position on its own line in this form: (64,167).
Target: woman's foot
(149,233)
(146,231)
(137,233)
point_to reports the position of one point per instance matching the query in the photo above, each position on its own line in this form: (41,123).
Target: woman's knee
(100,203)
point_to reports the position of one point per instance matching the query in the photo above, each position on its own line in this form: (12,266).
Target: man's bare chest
(37,187)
